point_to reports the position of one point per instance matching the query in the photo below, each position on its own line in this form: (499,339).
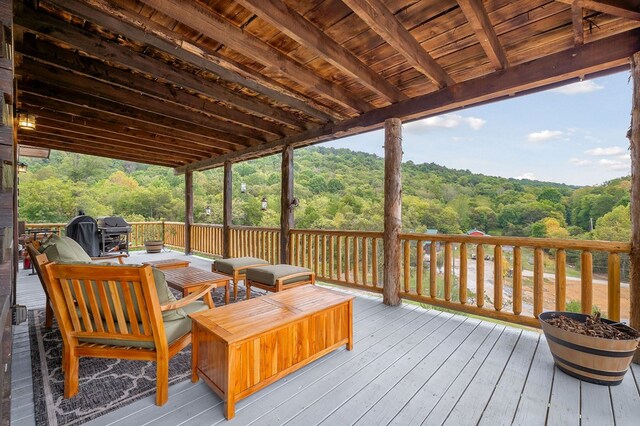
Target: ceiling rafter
(619,8)
(479,21)
(217,28)
(577,14)
(375,14)
(307,34)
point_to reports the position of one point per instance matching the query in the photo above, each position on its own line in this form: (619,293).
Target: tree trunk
(188,210)
(226,211)
(634,137)
(286,195)
(392,210)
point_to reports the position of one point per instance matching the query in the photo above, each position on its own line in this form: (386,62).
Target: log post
(392,210)
(634,138)
(226,210)
(286,196)
(188,210)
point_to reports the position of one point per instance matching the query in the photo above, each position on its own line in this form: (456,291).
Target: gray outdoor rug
(104,385)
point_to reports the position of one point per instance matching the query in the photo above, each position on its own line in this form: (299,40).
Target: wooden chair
(130,327)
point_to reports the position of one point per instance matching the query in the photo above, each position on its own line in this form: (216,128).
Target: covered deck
(410,365)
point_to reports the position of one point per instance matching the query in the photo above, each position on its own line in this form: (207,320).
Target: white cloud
(605,152)
(447,121)
(578,88)
(579,161)
(544,135)
(527,175)
(614,164)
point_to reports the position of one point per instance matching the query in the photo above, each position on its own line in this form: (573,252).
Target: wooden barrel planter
(154,246)
(592,359)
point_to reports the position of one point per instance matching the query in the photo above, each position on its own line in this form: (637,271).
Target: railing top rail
(551,243)
(368,234)
(44,224)
(254,228)
(208,225)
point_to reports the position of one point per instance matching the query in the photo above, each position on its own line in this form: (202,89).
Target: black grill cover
(84,230)
(113,222)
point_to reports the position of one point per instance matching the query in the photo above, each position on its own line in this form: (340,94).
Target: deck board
(409,365)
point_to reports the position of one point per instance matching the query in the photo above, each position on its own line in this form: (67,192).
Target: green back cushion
(63,249)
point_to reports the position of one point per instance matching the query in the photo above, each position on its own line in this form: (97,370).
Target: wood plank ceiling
(192,84)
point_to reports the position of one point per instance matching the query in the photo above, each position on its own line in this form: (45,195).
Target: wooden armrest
(197,294)
(120,257)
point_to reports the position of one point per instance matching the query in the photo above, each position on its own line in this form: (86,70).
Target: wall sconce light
(207,210)
(243,187)
(25,120)
(22,167)
(264,203)
(295,202)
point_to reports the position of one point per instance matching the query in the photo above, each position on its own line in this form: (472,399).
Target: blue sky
(575,134)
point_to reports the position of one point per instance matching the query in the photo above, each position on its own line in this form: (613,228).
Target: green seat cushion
(269,274)
(227,266)
(63,249)
(172,329)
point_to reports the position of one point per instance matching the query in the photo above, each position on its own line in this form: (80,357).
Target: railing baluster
(448,260)
(407,265)
(324,272)
(331,257)
(374,261)
(480,276)
(365,262)
(433,269)
(561,280)
(517,280)
(613,269)
(538,281)
(347,260)
(356,261)
(497,278)
(316,251)
(339,247)
(419,265)
(462,285)
(309,252)
(586,290)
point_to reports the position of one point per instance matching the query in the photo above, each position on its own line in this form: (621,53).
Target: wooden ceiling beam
(35,101)
(375,14)
(620,8)
(88,150)
(47,53)
(91,125)
(307,34)
(136,27)
(85,100)
(48,27)
(539,74)
(32,70)
(217,28)
(479,21)
(576,20)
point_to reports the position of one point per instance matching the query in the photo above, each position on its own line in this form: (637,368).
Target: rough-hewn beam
(383,22)
(634,257)
(392,211)
(50,28)
(227,214)
(221,139)
(620,8)
(307,34)
(580,61)
(576,20)
(479,21)
(188,211)
(136,27)
(215,27)
(33,70)
(286,209)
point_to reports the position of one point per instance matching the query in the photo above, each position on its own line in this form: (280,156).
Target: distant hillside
(337,188)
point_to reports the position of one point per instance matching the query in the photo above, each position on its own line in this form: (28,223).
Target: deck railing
(507,278)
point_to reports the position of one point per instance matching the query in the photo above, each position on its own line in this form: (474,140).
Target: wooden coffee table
(238,349)
(168,263)
(189,278)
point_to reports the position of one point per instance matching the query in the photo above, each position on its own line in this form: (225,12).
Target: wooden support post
(286,196)
(392,211)
(188,210)
(634,137)
(226,211)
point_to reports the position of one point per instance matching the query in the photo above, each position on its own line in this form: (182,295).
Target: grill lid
(112,222)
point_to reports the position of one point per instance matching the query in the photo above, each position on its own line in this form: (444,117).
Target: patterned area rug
(105,384)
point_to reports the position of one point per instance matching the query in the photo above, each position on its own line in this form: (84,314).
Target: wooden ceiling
(192,84)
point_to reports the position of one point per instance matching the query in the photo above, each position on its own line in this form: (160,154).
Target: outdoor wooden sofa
(127,312)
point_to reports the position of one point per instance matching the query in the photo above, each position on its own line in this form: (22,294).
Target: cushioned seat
(278,277)
(237,268)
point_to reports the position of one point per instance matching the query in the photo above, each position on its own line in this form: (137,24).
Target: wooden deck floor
(409,365)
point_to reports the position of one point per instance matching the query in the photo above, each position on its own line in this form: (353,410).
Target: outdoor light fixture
(26,120)
(243,187)
(22,167)
(207,210)
(264,203)
(295,202)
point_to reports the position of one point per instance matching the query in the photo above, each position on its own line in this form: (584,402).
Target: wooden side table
(168,264)
(189,278)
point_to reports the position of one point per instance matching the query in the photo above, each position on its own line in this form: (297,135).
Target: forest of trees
(337,189)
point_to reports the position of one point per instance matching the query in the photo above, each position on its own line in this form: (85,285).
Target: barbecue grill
(84,230)
(113,232)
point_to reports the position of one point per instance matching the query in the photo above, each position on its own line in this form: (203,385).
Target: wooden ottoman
(238,356)
(278,277)
(237,268)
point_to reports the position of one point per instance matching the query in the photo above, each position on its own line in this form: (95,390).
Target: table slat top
(191,276)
